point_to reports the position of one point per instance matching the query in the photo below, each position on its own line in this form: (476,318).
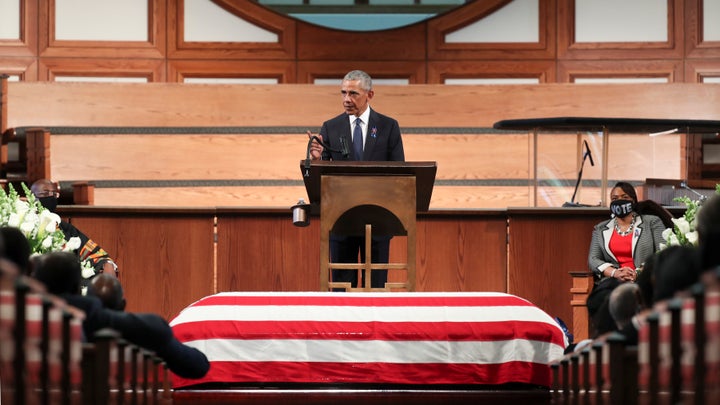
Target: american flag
(370,338)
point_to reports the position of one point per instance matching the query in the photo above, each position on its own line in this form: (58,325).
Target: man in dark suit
(372,137)
(60,273)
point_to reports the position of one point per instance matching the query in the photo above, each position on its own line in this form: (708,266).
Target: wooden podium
(363,198)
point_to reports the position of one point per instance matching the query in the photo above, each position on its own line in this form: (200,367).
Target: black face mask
(49,202)
(622,208)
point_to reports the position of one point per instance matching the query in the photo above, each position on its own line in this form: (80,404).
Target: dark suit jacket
(149,331)
(383,141)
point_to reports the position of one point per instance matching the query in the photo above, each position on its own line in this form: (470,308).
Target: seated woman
(618,250)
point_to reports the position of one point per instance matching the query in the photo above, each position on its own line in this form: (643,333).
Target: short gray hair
(365,79)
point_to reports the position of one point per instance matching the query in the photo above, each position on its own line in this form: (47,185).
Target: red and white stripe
(378,338)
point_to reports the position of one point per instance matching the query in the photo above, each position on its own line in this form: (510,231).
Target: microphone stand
(572,202)
(343,150)
(701,196)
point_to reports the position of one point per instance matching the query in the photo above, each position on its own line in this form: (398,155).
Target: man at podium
(360,133)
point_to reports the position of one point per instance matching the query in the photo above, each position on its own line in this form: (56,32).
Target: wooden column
(582,283)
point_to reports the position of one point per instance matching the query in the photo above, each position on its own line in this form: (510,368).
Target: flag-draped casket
(370,338)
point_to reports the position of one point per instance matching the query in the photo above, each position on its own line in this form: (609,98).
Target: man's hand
(110,268)
(315,148)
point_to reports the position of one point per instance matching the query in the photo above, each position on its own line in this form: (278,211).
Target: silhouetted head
(625,301)
(108,289)
(17,248)
(675,268)
(708,227)
(60,272)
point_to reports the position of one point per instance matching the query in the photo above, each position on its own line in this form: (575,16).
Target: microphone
(344,151)
(344,147)
(700,195)
(589,154)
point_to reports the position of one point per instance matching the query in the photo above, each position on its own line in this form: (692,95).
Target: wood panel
(412,71)
(439,49)
(544,246)
(672,70)
(25,68)
(433,106)
(26,44)
(271,196)
(153,48)
(568,48)
(457,252)
(165,257)
(268,196)
(418,46)
(283,72)
(253,13)
(695,45)
(153,70)
(698,70)
(167,261)
(266,252)
(322,44)
(439,71)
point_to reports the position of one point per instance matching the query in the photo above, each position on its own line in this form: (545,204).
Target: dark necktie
(357,139)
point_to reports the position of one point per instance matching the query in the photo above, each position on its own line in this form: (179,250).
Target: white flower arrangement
(684,232)
(39,225)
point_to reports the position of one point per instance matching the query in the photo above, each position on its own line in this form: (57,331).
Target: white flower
(87,271)
(666,233)
(672,239)
(682,224)
(49,221)
(72,244)
(14,220)
(47,242)
(21,207)
(683,231)
(27,228)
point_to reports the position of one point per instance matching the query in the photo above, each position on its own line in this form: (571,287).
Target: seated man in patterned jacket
(46,192)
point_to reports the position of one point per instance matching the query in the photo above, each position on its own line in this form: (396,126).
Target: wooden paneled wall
(418,53)
(167,258)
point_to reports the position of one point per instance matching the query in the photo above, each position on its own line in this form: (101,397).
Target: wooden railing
(677,358)
(43,358)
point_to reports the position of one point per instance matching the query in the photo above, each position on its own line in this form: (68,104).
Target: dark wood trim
(568,71)
(697,70)
(406,44)
(178,70)
(569,49)
(439,71)
(154,47)
(26,67)
(695,44)
(151,69)
(283,27)
(413,71)
(442,25)
(423,395)
(26,45)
